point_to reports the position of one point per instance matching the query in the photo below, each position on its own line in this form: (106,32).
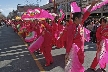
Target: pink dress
(102,39)
(75,46)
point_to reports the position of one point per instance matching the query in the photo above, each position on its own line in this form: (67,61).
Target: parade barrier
(31,37)
(36,44)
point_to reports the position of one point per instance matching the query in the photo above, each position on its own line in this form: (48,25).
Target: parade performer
(54,31)
(75,42)
(36,28)
(47,44)
(60,35)
(61,42)
(101,35)
(24,29)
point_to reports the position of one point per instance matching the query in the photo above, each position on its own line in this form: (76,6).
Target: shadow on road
(90,46)
(98,70)
(58,57)
(14,55)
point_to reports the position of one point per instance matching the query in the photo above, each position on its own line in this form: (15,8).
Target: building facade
(22,9)
(65,5)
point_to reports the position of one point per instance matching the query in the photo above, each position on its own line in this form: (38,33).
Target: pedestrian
(94,33)
(75,42)
(54,31)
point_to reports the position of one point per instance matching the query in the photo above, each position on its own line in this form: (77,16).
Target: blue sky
(7,6)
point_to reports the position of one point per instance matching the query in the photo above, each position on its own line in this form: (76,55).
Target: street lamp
(18,5)
(102,10)
(81,1)
(54,6)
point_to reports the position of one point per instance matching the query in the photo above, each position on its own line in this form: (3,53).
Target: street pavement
(15,57)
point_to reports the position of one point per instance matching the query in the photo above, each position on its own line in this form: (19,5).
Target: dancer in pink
(102,45)
(47,44)
(75,42)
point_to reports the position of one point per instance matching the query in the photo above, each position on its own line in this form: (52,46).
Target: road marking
(34,57)
(7,54)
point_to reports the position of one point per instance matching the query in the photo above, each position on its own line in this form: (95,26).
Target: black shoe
(91,70)
(103,70)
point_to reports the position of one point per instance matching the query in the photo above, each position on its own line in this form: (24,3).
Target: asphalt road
(15,57)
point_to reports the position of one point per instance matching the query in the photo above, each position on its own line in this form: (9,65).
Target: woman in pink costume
(47,44)
(102,45)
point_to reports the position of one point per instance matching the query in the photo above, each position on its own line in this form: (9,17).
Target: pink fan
(99,5)
(37,11)
(44,14)
(75,8)
(31,37)
(30,11)
(36,44)
(86,34)
(62,15)
(25,16)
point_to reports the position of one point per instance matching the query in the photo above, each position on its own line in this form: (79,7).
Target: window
(89,3)
(84,0)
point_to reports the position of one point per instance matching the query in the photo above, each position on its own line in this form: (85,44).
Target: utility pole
(66,8)
(81,1)
(102,8)
(54,6)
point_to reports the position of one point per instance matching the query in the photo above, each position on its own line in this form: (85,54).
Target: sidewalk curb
(34,57)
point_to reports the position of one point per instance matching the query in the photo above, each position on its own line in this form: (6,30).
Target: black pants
(94,38)
(91,35)
(0,24)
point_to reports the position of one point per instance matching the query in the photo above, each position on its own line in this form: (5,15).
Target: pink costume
(36,28)
(61,42)
(47,44)
(101,56)
(60,35)
(54,32)
(75,39)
